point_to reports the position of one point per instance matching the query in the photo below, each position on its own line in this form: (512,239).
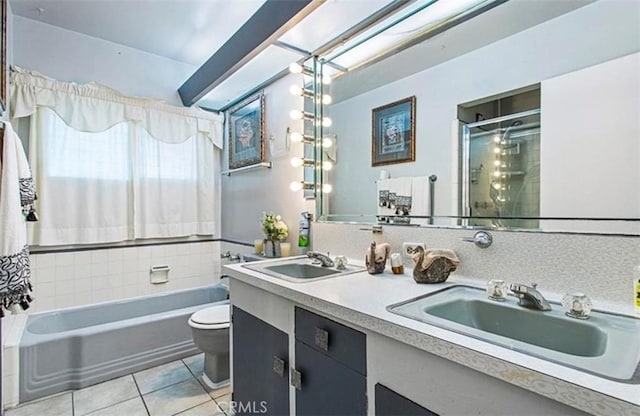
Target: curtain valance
(94,108)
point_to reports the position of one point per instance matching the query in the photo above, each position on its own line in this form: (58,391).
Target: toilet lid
(213,315)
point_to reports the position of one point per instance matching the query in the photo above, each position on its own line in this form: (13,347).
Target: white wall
(71,56)
(591,167)
(589,35)
(246,195)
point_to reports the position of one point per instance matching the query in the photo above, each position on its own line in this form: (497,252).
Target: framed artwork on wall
(393,133)
(247,132)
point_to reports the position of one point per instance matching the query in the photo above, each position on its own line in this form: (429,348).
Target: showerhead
(505,135)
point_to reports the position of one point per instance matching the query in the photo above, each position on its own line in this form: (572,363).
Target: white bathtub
(78,347)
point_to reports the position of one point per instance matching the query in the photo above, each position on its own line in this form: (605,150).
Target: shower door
(501,171)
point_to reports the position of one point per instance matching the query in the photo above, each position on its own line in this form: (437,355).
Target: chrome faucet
(322,258)
(529,297)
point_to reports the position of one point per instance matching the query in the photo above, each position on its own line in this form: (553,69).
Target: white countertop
(362,299)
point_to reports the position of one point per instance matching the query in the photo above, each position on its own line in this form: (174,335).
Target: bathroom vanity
(331,347)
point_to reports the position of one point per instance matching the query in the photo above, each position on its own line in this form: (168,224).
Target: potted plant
(276,231)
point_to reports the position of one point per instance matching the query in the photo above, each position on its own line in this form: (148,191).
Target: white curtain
(174,187)
(105,178)
(83,182)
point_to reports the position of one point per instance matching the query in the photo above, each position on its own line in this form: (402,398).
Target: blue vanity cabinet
(260,366)
(390,403)
(330,367)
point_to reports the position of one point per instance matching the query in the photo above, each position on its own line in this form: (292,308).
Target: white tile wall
(77,278)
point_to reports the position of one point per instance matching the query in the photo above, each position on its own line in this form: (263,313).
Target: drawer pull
(296,379)
(278,365)
(322,339)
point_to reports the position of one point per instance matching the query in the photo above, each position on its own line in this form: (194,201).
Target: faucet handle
(481,239)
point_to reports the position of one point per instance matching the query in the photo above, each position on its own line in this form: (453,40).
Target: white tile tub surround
(78,278)
(12,326)
(598,265)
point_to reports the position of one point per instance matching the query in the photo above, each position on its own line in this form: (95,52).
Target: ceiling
(191,31)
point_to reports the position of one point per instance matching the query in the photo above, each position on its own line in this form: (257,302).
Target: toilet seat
(214,317)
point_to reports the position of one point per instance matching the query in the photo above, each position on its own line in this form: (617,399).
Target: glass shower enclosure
(500,163)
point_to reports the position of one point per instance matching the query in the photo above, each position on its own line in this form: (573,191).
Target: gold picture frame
(247,132)
(393,133)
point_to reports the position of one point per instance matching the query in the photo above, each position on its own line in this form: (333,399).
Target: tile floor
(175,388)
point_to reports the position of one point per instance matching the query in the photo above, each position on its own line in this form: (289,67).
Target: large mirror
(535,129)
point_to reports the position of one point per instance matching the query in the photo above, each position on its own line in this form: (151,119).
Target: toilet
(210,330)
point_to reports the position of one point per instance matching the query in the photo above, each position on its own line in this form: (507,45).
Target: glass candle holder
(497,289)
(258,246)
(397,267)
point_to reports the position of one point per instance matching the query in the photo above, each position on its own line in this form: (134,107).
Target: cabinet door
(327,386)
(260,366)
(390,403)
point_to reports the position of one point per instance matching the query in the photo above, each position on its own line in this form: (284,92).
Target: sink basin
(606,344)
(300,269)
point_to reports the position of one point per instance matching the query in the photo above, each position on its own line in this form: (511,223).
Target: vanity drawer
(335,340)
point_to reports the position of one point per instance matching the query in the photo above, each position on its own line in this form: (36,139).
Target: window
(118,184)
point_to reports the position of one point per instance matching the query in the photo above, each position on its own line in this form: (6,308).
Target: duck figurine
(376,257)
(433,265)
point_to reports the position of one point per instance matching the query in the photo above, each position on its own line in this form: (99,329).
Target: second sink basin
(556,333)
(606,344)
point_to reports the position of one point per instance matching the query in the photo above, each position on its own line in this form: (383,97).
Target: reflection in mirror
(572,153)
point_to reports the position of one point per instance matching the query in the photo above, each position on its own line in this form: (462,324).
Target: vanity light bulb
(295,90)
(496,150)
(296,115)
(496,174)
(326,165)
(326,99)
(326,188)
(296,162)
(496,139)
(327,143)
(295,68)
(296,137)
(295,186)
(496,163)
(497,185)
(326,122)
(326,79)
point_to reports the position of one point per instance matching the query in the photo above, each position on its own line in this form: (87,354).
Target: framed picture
(246,133)
(394,132)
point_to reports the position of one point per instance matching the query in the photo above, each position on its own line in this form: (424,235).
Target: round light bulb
(296,137)
(326,99)
(295,186)
(496,174)
(327,143)
(497,185)
(496,139)
(326,188)
(296,162)
(296,114)
(326,165)
(295,68)
(495,149)
(326,79)
(326,122)
(295,90)
(496,163)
